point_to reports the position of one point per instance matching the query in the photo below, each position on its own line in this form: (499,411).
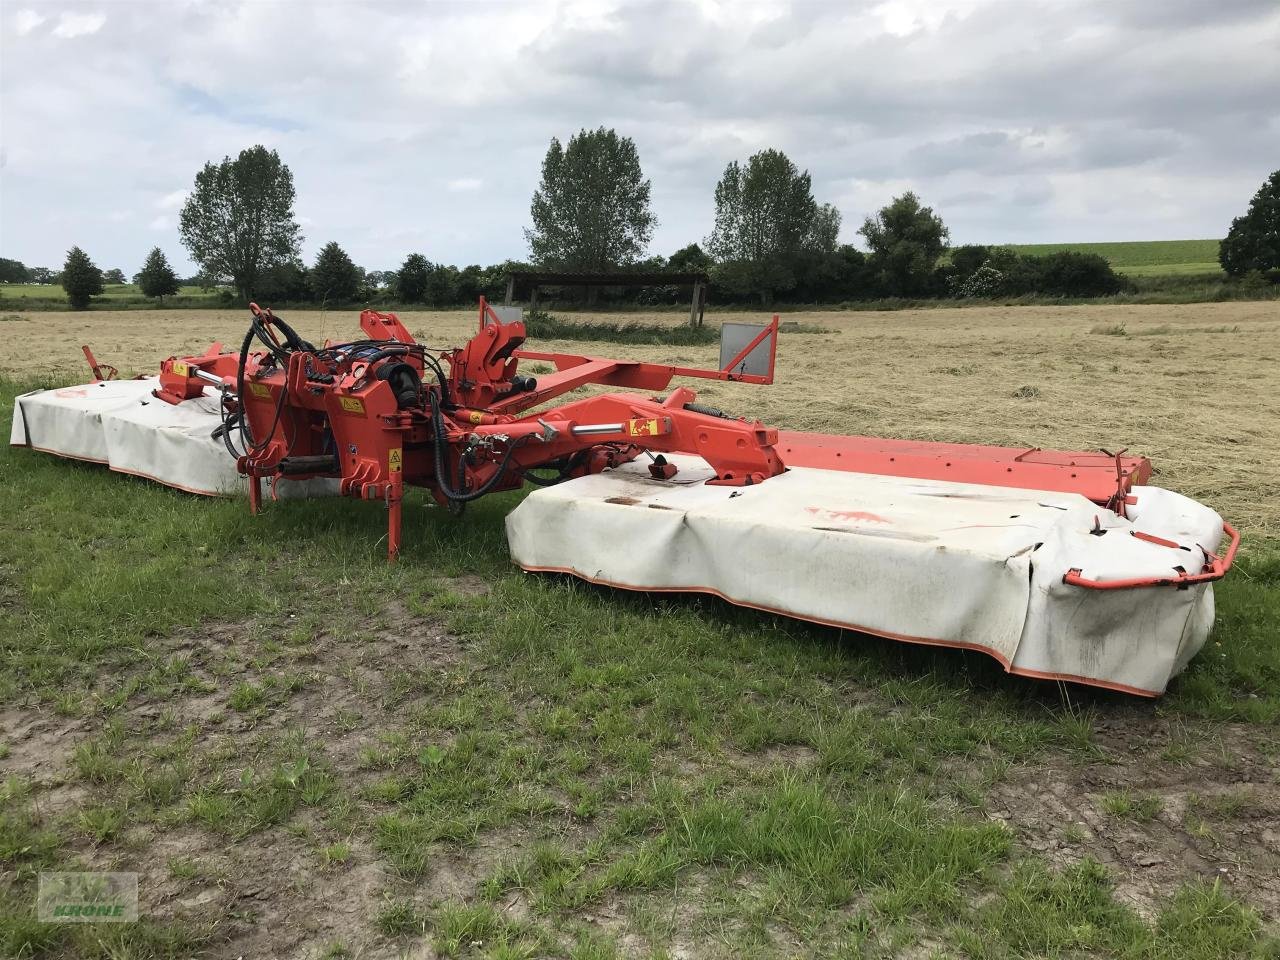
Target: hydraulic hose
(460,496)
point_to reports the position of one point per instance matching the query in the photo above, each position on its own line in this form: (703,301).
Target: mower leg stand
(255,493)
(393,523)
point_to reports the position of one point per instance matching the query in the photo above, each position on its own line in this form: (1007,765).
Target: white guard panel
(921,560)
(120,424)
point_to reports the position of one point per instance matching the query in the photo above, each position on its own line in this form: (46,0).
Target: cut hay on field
(1196,387)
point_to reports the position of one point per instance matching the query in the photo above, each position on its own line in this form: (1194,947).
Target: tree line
(771,240)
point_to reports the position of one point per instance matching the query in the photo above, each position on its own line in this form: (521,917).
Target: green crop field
(1142,258)
(113,291)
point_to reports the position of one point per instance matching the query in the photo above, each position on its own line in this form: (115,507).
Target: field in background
(1094,376)
(1143,258)
(307,752)
(112,291)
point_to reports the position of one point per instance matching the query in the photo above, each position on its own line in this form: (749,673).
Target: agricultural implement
(1061,565)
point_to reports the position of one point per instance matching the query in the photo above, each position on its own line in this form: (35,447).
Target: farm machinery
(1061,565)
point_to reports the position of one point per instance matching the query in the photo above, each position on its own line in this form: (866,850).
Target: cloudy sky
(421,126)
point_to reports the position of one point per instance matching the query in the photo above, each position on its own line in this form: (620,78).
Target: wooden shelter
(527,284)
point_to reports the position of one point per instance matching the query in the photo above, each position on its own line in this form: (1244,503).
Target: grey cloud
(1069,118)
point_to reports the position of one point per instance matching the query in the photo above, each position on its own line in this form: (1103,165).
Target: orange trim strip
(115,469)
(888,635)
(64,456)
(164,483)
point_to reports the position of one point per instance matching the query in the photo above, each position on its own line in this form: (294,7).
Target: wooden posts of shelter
(530,282)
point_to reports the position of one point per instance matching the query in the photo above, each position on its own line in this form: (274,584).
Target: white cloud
(1075,119)
(24,21)
(78,24)
(172,201)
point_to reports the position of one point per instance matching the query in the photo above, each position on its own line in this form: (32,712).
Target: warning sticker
(352,404)
(643,428)
(180,369)
(395,459)
(475,416)
(260,390)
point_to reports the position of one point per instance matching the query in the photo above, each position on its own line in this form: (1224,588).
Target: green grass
(112,292)
(699,772)
(1143,258)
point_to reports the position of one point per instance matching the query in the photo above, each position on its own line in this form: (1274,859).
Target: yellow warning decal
(352,404)
(395,458)
(260,390)
(643,428)
(475,416)
(180,369)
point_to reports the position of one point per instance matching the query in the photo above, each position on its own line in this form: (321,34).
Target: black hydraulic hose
(542,481)
(458,496)
(246,435)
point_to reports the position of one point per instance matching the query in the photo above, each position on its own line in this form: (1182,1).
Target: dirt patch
(1164,804)
(295,888)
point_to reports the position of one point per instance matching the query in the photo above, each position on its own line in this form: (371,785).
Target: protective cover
(925,561)
(119,423)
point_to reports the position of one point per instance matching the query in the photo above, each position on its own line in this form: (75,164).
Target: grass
(43,296)
(1144,257)
(1132,806)
(625,768)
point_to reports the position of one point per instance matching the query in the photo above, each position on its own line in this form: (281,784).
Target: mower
(1061,565)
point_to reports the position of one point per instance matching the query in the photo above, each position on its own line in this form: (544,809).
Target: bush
(983,284)
(1072,274)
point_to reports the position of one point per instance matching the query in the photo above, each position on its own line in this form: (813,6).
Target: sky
(420,127)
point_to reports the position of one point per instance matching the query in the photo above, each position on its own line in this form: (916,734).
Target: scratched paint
(846,514)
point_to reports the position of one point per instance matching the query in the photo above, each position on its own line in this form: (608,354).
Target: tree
(824,231)
(13,271)
(114,275)
(156,278)
(906,240)
(412,279)
(591,210)
(80,278)
(765,214)
(238,221)
(288,282)
(334,278)
(1253,242)
(40,275)
(442,285)
(690,259)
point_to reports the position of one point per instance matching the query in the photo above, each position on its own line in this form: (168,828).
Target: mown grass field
(1143,258)
(306,752)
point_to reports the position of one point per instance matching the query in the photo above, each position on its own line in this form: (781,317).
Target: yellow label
(394,460)
(475,416)
(260,390)
(179,368)
(352,404)
(643,428)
